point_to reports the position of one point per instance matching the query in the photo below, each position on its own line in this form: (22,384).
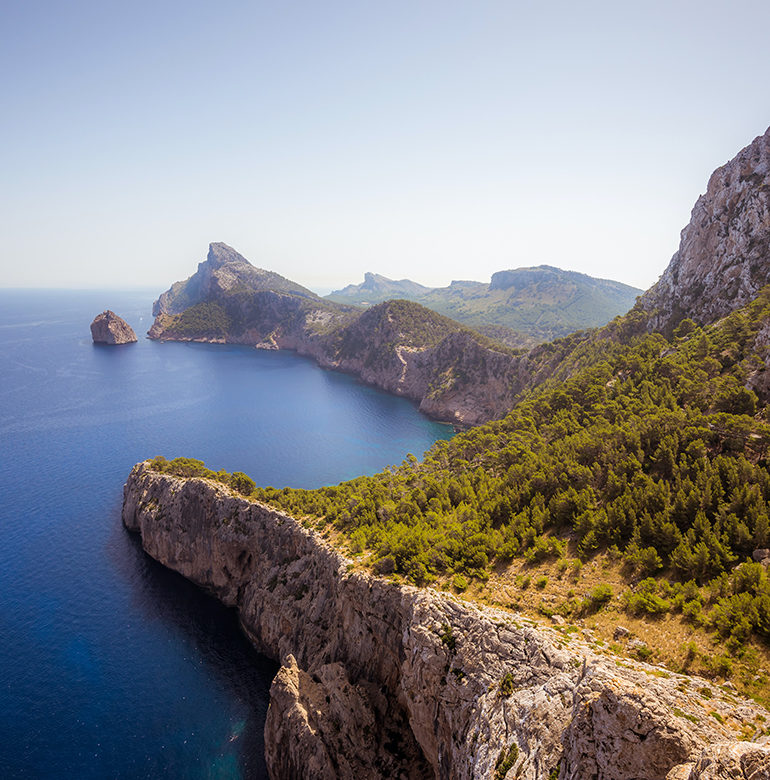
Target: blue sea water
(110,665)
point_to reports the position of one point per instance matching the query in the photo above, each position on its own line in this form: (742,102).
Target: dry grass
(673,642)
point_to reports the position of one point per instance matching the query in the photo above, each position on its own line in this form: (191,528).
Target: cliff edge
(384,680)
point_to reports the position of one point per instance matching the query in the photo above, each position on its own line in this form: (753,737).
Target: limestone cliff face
(724,253)
(108,328)
(380,680)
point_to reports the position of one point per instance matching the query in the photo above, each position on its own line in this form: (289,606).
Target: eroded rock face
(380,680)
(724,252)
(108,328)
(727,761)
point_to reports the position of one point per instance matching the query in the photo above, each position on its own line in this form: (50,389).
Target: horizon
(323,142)
(318,290)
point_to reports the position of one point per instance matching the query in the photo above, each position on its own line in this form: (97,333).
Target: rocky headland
(382,680)
(452,372)
(109,328)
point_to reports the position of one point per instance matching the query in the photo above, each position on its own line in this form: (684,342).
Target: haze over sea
(110,665)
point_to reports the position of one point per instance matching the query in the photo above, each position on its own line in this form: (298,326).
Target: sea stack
(108,328)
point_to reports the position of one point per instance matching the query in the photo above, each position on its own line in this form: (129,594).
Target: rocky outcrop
(724,252)
(383,680)
(223,271)
(108,328)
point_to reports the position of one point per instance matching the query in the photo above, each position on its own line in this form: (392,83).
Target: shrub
(598,597)
(505,761)
(460,583)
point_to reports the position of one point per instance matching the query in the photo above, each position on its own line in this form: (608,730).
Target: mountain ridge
(535,304)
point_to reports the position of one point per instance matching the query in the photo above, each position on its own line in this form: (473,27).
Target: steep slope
(523,306)
(224,271)
(724,253)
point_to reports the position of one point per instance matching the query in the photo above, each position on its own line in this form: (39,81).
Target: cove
(111,665)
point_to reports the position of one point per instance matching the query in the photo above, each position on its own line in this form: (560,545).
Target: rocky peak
(724,252)
(220,254)
(223,271)
(108,328)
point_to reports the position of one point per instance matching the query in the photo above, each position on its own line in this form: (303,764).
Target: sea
(112,666)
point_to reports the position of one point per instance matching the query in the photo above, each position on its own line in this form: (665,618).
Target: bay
(110,665)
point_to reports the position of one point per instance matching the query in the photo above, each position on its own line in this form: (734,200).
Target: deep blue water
(110,665)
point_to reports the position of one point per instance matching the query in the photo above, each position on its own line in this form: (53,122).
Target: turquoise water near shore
(110,665)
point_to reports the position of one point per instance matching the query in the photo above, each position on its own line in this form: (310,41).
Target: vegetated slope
(376,289)
(654,452)
(379,680)
(521,307)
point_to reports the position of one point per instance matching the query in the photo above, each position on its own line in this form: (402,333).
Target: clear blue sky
(432,140)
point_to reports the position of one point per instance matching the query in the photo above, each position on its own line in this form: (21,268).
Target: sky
(433,140)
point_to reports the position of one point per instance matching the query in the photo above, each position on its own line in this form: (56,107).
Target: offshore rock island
(108,328)
(610,535)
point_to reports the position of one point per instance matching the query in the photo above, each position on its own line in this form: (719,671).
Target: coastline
(414,662)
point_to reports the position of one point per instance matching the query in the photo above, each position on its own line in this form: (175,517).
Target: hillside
(521,307)
(377,289)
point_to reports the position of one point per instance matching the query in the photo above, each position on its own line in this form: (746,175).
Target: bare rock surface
(108,328)
(727,761)
(380,680)
(724,252)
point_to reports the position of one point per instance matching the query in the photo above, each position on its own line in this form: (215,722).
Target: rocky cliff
(380,680)
(223,271)
(724,253)
(108,328)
